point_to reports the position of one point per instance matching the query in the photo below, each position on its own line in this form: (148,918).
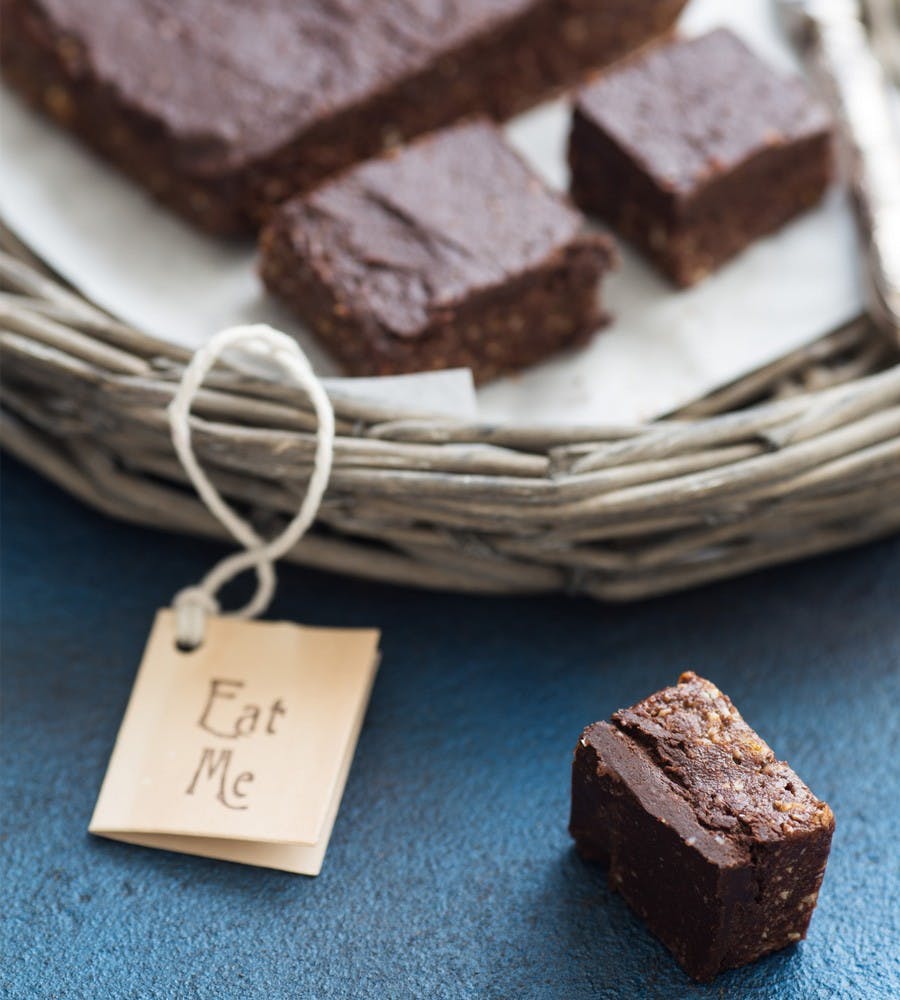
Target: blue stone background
(450,872)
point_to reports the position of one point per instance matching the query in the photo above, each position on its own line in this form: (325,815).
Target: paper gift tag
(239,749)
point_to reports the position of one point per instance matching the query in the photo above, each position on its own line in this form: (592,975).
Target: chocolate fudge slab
(222,109)
(450,252)
(720,847)
(692,150)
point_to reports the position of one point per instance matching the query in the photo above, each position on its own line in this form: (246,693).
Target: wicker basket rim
(800,457)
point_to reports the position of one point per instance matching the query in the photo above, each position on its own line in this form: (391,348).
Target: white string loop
(193,604)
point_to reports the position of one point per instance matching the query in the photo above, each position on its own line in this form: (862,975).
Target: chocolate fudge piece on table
(720,847)
(694,149)
(223,108)
(450,252)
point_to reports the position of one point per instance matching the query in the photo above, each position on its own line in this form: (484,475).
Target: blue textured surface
(450,872)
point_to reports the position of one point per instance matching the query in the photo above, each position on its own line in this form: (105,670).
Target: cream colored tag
(240,749)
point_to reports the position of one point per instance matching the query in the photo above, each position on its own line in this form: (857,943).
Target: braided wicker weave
(799,458)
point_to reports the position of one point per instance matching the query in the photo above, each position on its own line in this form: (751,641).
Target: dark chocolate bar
(717,845)
(449,253)
(692,150)
(222,109)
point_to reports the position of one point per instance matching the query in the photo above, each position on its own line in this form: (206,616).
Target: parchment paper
(664,348)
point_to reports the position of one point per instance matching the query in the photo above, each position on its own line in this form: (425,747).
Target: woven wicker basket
(799,458)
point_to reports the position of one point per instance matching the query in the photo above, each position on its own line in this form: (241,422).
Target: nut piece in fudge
(717,845)
(694,149)
(448,253)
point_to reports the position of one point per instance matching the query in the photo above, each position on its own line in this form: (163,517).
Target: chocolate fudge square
(222,108)
(720,847)
(448,253)
(694,149)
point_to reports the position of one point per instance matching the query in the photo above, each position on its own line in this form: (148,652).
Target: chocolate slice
(717,845)
(449,253)
(223,108)
(692,150)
